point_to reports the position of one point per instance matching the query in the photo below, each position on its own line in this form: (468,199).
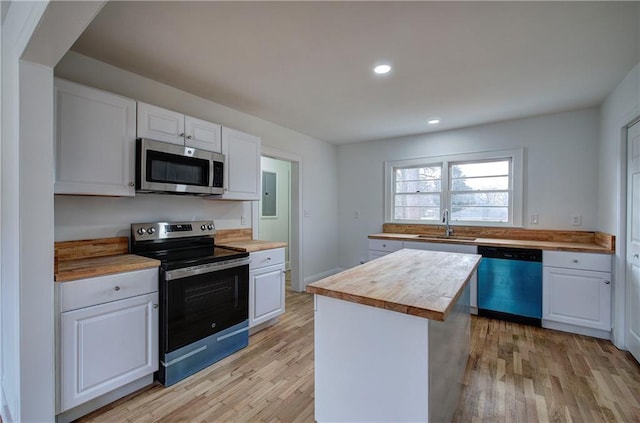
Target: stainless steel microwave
(172,168)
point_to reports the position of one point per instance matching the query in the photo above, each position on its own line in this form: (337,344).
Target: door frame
(623,239)
(295,214)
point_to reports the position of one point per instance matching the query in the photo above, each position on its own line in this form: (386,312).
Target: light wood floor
(515,373)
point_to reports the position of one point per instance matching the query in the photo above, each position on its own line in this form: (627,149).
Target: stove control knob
(142,231)
(210,226)
(203,227)
(151,231)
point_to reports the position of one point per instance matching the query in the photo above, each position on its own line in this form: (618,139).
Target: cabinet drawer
(103,289)
(581,261)
(267,258)
(385,245)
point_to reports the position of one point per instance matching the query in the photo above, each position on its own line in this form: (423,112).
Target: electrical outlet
(242,221)
(534,219)
(356,214)
(306,213)
(576,220)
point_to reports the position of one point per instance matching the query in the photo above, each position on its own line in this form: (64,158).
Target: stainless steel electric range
(204,295)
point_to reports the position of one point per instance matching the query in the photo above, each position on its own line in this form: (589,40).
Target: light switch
(534,219)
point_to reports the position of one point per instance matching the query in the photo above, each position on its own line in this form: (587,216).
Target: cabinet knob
(117,288)
(131,183)
(384,245)
(189,137)
(268,258)
(575,260)
(636,255)
(181,134)
(155,306)
(607,282)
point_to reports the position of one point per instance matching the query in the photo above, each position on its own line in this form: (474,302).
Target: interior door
(633,240)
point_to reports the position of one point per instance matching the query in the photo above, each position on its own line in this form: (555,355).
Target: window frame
(516,184)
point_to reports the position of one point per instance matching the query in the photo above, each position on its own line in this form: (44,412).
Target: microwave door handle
(211,168)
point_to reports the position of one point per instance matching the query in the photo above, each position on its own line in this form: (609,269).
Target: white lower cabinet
(266,286)
(107,334)
(382,247)
(576,292)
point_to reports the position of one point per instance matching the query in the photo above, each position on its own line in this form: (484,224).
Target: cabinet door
(242,165)
(202,134)
(266,294)
(160,124)
(107,346)
(95,141)
(577,297)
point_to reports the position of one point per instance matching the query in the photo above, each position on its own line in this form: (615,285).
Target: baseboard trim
(580,330)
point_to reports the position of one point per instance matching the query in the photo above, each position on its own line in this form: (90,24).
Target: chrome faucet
(445,219)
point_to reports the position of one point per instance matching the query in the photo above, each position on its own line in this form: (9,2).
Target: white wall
(319,164)
(277,228)
(560,172)
(619,109)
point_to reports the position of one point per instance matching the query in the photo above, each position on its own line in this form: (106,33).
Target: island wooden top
(252,245)
(70,270)
(420,283)
(497,242)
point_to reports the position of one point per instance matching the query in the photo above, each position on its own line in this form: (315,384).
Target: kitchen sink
(450,237)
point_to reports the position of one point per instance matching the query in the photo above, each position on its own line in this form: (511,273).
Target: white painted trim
(581,330)
(517,183)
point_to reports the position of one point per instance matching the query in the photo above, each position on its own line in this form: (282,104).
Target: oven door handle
(202,269)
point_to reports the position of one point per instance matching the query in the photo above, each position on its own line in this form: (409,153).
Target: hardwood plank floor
(515,373)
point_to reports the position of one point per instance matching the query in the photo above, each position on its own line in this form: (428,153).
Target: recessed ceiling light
(382,69)
(433,121)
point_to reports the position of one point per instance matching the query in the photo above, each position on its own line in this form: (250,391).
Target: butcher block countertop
(415,282)
(497,242)
(252,245)
(71,270)
(88,258)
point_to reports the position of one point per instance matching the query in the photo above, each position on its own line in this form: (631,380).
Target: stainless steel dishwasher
(510,284)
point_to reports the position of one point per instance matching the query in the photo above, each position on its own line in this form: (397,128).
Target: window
(477,189)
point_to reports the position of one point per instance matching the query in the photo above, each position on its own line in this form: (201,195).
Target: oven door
(200,301)
(164,167)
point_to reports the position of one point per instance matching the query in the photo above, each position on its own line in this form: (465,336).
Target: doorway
(275,200)
(633,241)
(264,227)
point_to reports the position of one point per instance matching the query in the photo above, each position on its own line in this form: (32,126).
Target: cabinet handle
(131,183)
(268,258)
(636,255)
(607,282)
(575,260)
(117,288)
(181,134)
(155,306)
(189,137)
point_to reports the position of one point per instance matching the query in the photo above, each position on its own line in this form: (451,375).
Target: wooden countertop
(70,270)
(252,245)
(420,283)
(497,242)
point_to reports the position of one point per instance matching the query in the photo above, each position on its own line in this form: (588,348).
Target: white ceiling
(308,65)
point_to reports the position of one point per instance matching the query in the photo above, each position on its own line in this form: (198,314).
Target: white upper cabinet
(95,141)
(165,125)
(242,165)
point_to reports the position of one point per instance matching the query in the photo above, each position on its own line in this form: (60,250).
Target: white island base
(376,365)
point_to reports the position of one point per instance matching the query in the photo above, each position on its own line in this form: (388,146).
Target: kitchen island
(392,338)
